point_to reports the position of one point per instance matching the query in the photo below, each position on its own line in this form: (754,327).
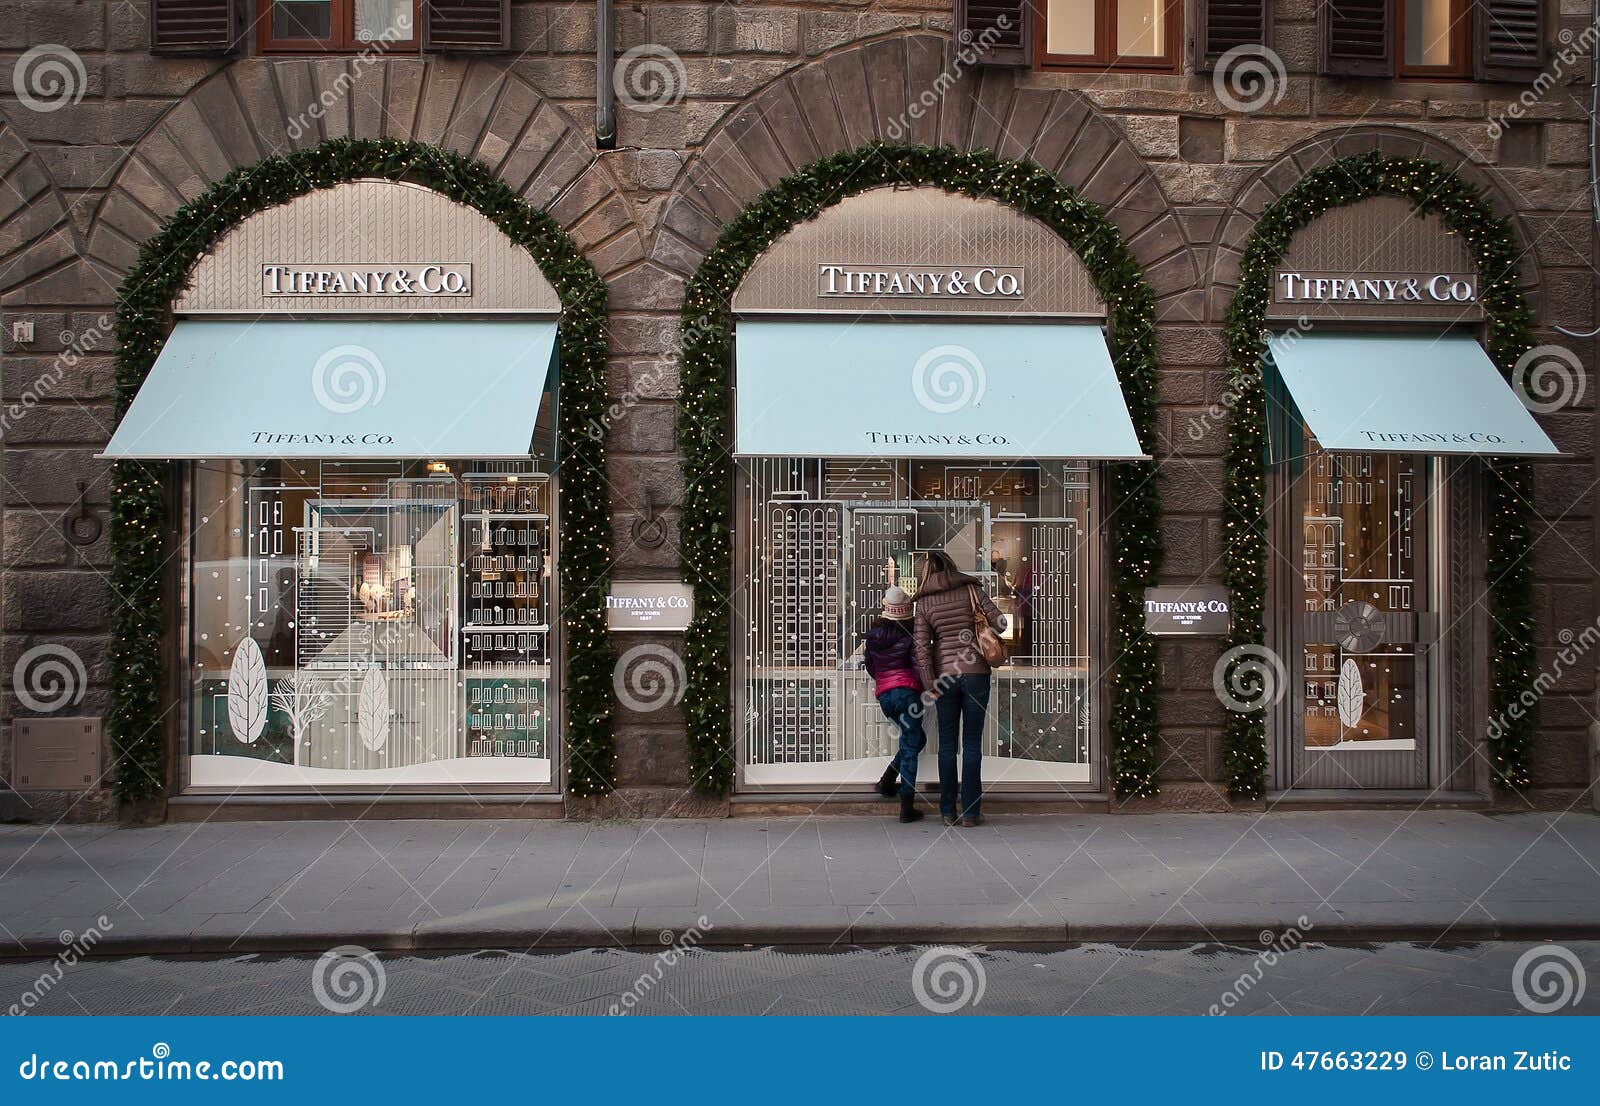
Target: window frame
(342,41)
(1105,58)
(1464,17)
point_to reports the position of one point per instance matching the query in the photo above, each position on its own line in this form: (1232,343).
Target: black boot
(887,785)
(908,809)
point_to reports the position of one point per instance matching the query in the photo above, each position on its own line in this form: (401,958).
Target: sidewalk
(821,881)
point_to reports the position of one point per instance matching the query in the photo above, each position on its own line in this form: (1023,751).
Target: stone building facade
(767,87)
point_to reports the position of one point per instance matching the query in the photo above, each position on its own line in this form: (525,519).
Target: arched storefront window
(918,371)
(1383,411)
(361,382)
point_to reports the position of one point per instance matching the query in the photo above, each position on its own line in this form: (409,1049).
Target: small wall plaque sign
(1187,610)
(665,606)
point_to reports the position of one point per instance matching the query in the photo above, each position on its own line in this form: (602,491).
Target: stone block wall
(754,91)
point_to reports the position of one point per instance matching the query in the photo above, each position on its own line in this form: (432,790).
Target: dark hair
(939,564)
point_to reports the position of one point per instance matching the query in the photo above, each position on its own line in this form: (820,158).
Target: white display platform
(210,770)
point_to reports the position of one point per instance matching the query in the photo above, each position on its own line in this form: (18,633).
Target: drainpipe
(605,97)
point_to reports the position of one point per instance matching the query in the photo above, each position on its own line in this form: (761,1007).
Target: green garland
(139,503)
(1133,514)
(1434,190)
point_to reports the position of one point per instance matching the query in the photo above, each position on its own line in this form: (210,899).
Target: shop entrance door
(1360,638)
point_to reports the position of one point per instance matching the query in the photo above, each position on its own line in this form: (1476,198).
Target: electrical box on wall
(56,754)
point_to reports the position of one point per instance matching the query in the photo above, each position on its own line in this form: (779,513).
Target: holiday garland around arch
(1132,518)
(139,500)
(1433,190)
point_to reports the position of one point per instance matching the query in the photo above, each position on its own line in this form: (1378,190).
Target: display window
(822,539)
(375,622)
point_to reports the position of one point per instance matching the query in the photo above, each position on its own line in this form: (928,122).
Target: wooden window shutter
(1357,37)
(466,26)
(1000,32)
(1224,25)
(1510,40)
(196,26)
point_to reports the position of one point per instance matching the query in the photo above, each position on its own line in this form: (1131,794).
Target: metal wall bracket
(82,527)
(648,529)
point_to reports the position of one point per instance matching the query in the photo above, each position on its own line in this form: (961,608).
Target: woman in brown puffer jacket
(955,674)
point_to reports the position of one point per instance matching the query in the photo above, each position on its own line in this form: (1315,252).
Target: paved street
(833,882)
(1094,979)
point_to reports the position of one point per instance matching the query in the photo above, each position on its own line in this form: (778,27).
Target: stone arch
(1465,206)
(1132,530)
(249,111)
(37,236)
(141,502)
(1258,193)
(867,92)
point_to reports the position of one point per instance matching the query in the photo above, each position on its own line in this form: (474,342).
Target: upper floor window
(1492,40)
(1107,34)
(1435,37)
(301,26)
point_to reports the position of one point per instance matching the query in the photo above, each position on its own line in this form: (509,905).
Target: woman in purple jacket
(892,662)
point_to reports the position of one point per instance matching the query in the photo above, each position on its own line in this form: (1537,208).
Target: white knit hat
(896,603)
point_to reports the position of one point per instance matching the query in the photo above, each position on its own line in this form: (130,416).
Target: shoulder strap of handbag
(979,619)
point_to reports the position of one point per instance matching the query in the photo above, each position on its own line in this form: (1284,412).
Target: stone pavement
(820,881)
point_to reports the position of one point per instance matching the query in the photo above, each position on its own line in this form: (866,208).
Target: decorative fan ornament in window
(1359,627)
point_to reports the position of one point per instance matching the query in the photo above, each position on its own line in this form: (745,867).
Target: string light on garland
(139,500)
(1133,506)
(1433,190)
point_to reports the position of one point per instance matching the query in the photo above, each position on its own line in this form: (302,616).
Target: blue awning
(1405,393)
(340,389)
(1002,391)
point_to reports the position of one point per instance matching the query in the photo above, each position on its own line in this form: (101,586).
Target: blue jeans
(963,702)
(899,706)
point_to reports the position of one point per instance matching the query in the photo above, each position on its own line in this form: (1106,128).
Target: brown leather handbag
(989,643)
